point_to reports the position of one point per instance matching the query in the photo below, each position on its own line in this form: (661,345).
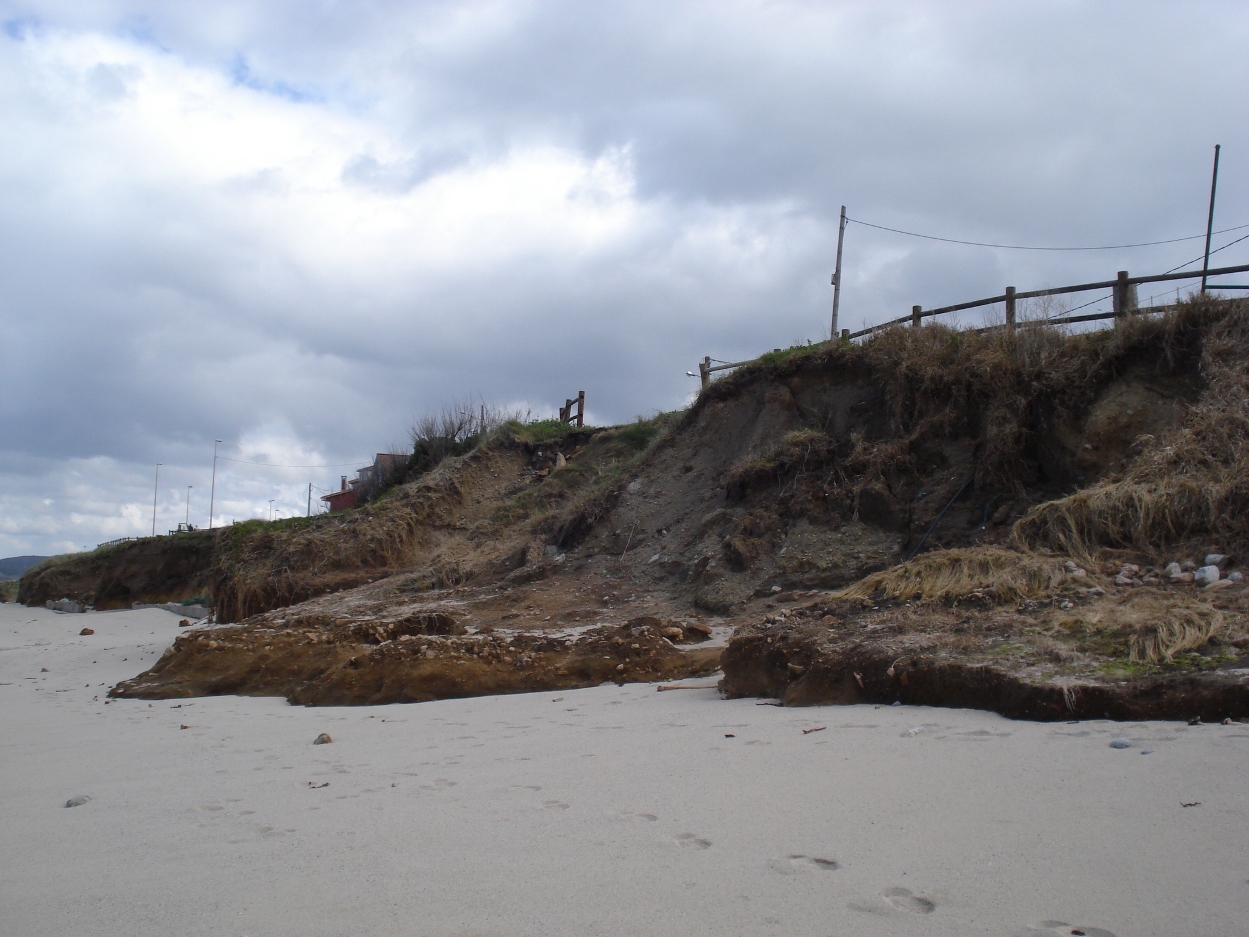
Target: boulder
(1206,575)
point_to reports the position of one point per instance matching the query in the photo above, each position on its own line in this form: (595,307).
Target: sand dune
(612,810)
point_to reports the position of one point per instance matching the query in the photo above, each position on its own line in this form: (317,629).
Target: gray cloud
(296,230)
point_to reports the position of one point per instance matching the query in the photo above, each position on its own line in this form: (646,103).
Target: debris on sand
(322,739)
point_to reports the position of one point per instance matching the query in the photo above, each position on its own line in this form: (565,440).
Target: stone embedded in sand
(184,624)
(322,739)
(1120,743)
(77,801)
(87,631)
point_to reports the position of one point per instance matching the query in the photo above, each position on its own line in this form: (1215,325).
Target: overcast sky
(295,226)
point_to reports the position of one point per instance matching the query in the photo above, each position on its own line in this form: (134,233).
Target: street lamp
(271,500)
(188,505)
(213,493)
(155,489)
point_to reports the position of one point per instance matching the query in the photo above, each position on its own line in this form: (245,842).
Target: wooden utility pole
(841,236)
(1214,181)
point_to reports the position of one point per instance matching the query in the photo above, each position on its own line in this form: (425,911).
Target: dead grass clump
(1152,626)
(1192,482)
(944,576)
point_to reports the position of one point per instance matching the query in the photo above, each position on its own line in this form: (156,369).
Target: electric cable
(1018,247)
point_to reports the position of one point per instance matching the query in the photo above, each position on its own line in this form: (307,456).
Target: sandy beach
(611,810)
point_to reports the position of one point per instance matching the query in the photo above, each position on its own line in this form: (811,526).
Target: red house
(342,499)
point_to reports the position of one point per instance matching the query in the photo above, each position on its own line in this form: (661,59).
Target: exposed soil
(1026,662)
(796,476)
(151,570)
(423,655)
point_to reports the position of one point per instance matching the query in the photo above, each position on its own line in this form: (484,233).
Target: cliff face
(151,570)
(987,457)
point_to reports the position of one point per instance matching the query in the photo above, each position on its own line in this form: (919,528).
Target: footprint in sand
(692,841)
(438,784)
(892,900)
(796,864)
(554,805)
(1062,929)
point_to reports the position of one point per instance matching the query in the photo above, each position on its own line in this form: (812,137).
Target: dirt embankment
(150,570)
(801,475)
(421,655)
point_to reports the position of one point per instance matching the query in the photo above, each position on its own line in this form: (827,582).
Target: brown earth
(799,474)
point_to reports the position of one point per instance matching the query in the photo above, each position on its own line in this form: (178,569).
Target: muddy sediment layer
(424,657)
(807,661)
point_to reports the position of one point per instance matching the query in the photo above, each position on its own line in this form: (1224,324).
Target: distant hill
(12,567)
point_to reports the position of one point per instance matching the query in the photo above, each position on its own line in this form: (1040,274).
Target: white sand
(614,810)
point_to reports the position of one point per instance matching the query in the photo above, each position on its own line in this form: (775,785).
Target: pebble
(1147,751)
(1215,559)
(322,739)
(1173,569)
(912,732)
(77,801)
(1235,577)
(1120,743)
(87,631)
(1221,584)
(1206,574)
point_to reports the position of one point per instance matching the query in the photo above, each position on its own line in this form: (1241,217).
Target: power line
(276,465)
(1017,247)
(1215,251)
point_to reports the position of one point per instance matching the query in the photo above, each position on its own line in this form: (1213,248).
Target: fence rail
(1124,303)
(1124,299)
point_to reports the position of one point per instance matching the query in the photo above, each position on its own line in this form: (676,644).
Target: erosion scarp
(943,468)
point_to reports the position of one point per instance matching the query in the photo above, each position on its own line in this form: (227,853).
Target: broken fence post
(916,315)
(1010,307)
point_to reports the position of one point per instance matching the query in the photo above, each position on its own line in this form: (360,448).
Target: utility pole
(271,500)
(155,489)
(841,236)
(212,496)
(1214,181)
(188,505)
(310,499)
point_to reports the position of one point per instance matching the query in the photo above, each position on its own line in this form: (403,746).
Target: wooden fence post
(1124,296)
(845,335)
(915,315)
(704,371)
(1010,308)
(581,408)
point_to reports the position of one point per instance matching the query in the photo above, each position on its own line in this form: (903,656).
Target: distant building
(367,483)
(342,499)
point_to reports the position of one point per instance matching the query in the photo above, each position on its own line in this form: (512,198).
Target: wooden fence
(566,414)
(1123,297)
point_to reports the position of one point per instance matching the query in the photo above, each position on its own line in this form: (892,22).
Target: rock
(1235,577)
(184,624)
(322,739)
(1130,569)
(1215,559)
(1173,569)
(1078,573)
(912,732)
(1123,580)
(1183,577)
(63,605)
(560,461)
(77,801)
(87,631)
(1220,585)
(1120,743)
(1206,575)
(1096,591)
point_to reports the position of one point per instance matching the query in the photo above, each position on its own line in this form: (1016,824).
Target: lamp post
(188,505)
(271,500)
(155,489)
(213,492)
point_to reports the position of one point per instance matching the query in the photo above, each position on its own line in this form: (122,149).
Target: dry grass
(944,576)
(1153,626)
(1192,482)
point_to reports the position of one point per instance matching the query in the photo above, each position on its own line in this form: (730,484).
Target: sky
(296,227)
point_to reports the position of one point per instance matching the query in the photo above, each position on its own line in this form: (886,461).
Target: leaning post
(704,371)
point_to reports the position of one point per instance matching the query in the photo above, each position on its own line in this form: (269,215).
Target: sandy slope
(613,810)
